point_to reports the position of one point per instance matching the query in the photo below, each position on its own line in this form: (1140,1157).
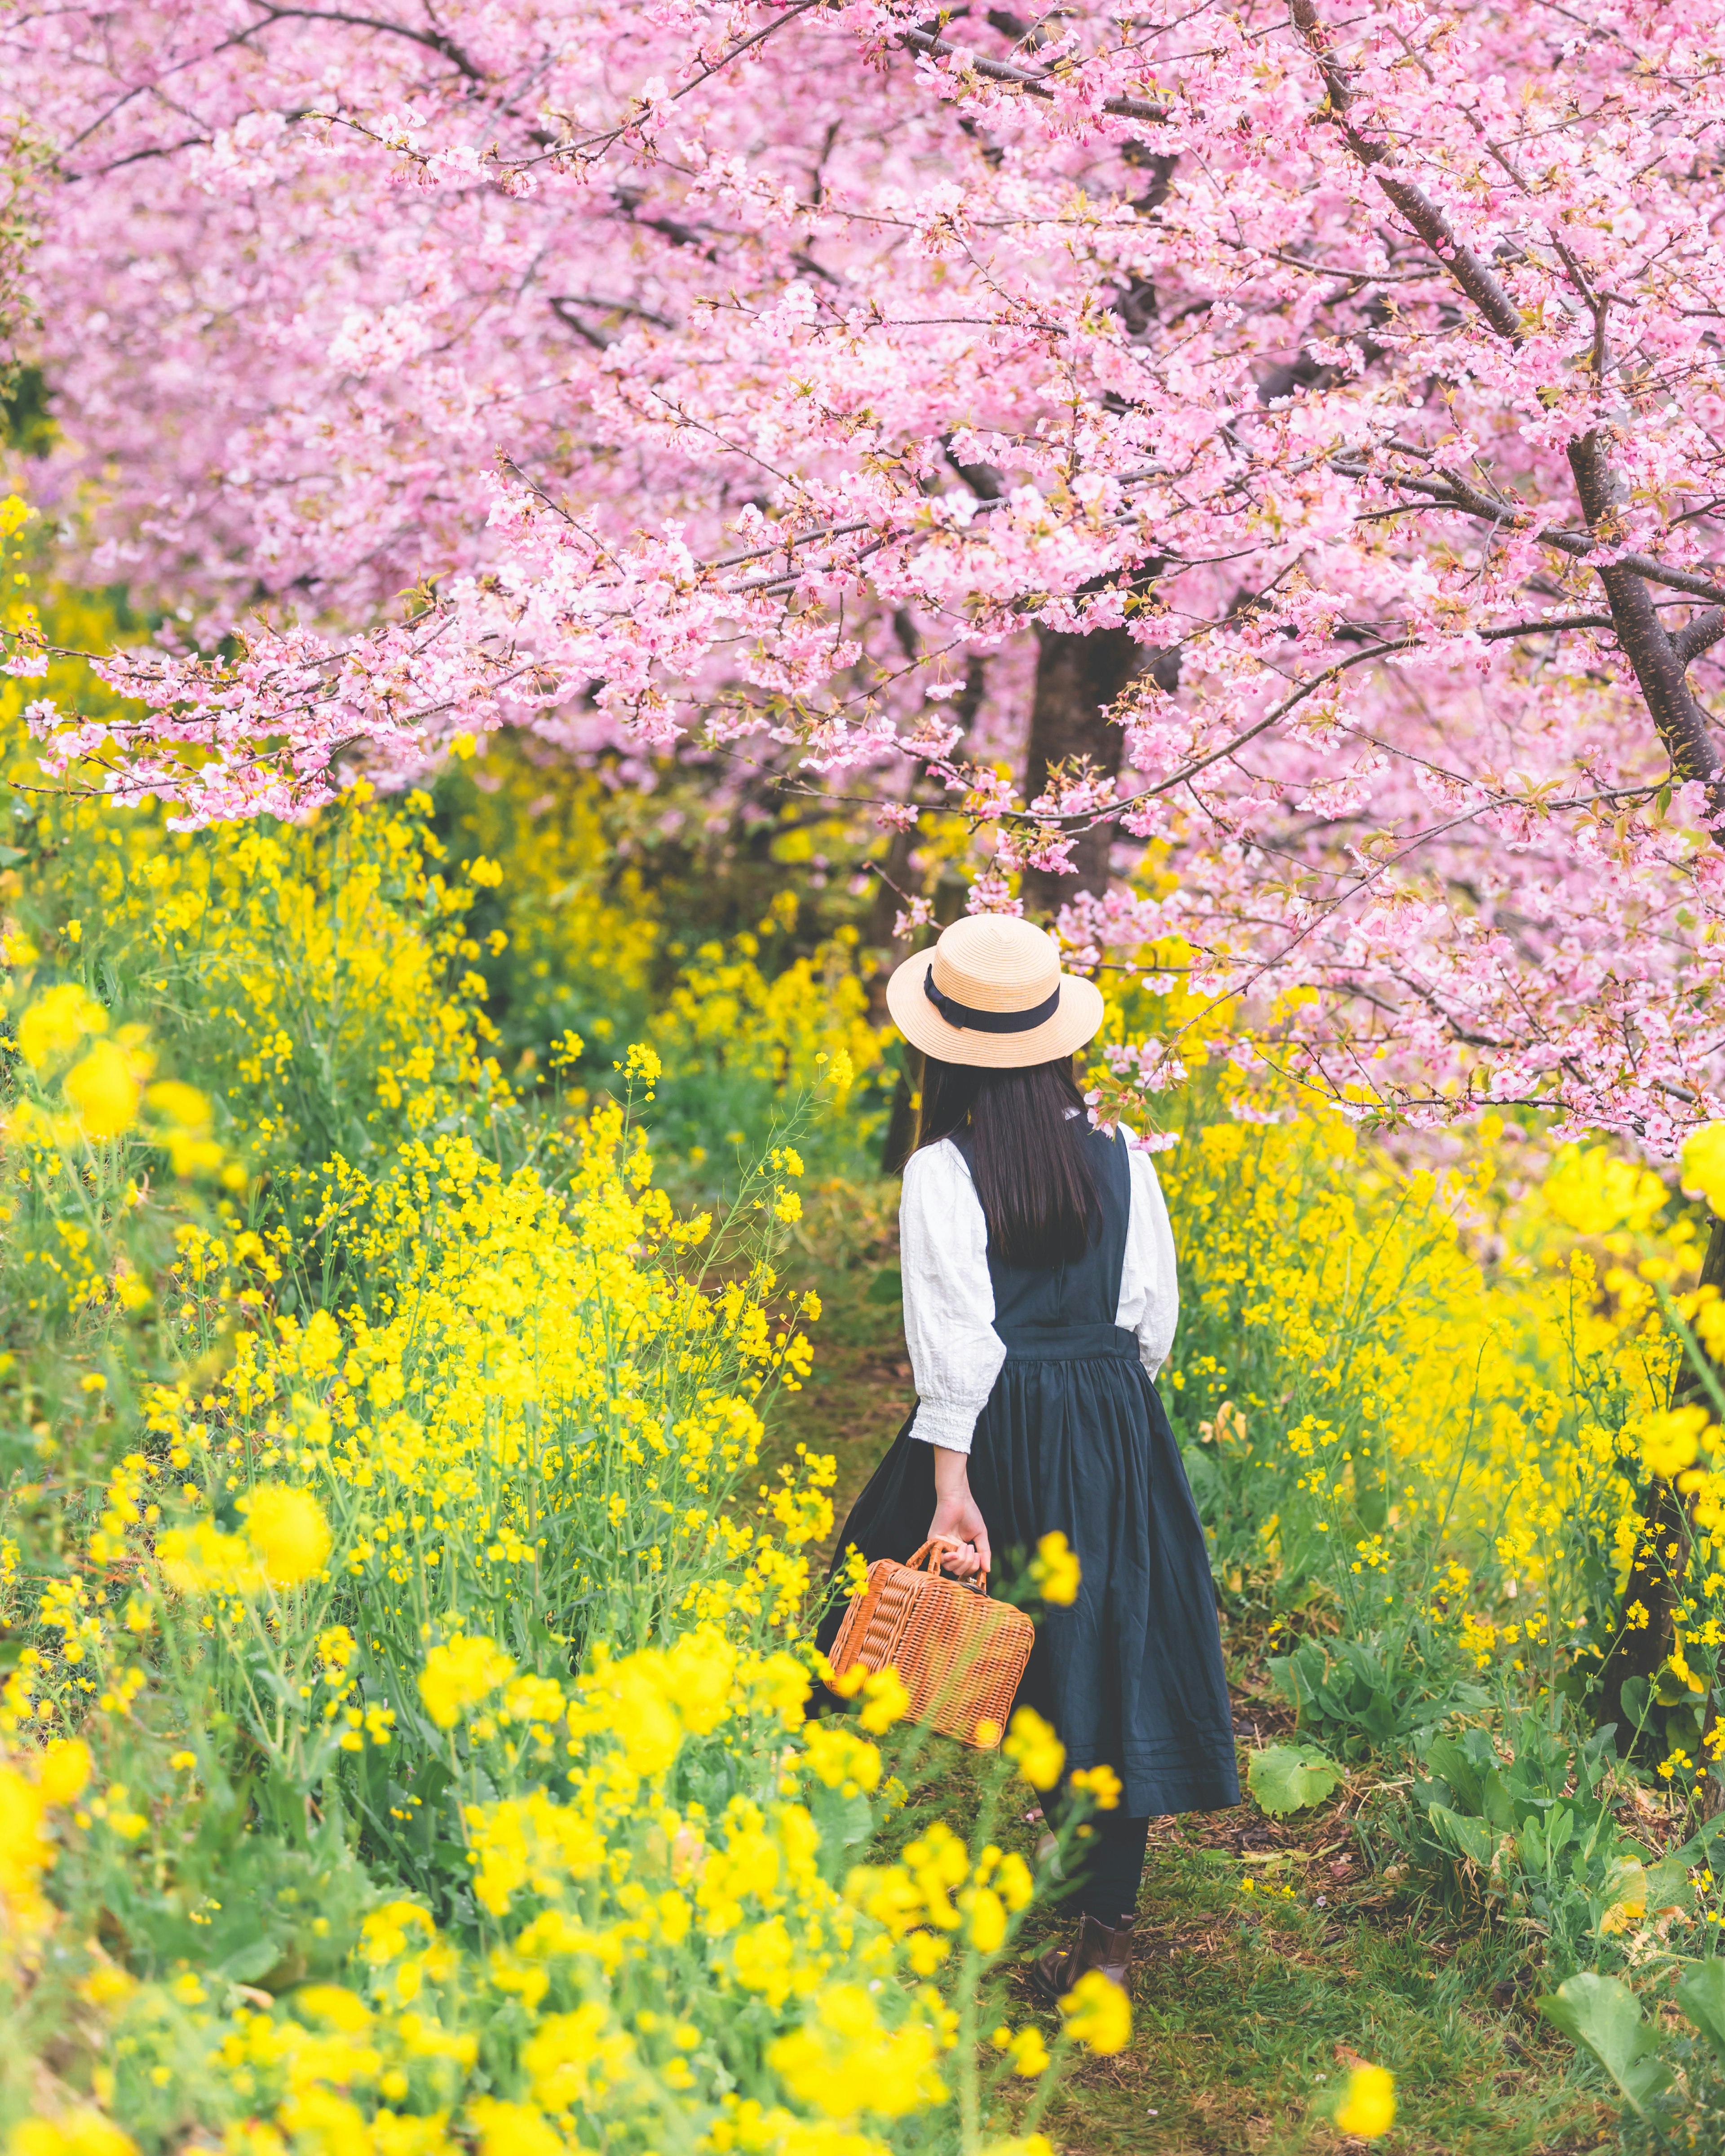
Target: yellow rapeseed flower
(460,1674)
(1596,1193)
(1704,1165)
(1098,2015)
(843,2060)
(1671,1438)
(514,2129)
(1367,2105)
(185,1119)
(886,1700)
(1101,1783)
(1055,1568)
(835,1756)
(1029,2052)
(1033,1747)
(288,1530)
(179,1103)
(65,1770)
(201,1559)
(103,1088)
(75,2133)
(342,2009)
(56,1022)
(987,1921)
(384,1935)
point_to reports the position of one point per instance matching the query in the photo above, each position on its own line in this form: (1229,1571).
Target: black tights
(1107,1865)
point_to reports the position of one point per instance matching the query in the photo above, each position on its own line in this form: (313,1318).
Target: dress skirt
(1074,1439)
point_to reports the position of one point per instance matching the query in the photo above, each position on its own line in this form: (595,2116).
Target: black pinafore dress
(1074,1437)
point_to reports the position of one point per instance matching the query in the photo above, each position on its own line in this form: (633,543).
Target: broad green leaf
(1669,1886)
(848,1819)
(1603,2016)
(1701,1994)
(1287,1777)
(1471,1838)
(887,1285)
(256,1959)
(1627,1897)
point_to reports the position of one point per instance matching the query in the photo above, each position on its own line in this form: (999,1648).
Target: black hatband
(981,1021)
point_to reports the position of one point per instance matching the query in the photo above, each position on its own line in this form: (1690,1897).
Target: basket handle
(930,1550)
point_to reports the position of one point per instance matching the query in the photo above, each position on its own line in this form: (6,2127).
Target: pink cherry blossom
(777,373)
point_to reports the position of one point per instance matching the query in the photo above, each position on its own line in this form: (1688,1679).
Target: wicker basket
(959,1654)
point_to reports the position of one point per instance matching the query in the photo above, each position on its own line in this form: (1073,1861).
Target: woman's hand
(957,1517)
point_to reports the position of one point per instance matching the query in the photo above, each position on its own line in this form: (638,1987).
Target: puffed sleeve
(1149,1282)
(955,1353)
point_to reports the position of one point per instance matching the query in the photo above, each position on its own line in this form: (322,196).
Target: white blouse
(955,1354)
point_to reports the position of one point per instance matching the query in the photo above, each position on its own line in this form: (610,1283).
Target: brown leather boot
(1054,1972)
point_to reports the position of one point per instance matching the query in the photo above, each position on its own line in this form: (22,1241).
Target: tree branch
(1033,81)
(1479,284)
(1701,635)
(433,40)
(1544,628)
(1658,667)
(1646,642)
(1448,490)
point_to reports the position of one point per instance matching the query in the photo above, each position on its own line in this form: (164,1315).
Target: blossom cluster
(780,381)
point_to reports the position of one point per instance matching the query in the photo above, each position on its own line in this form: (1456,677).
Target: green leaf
(1471,1838)
(1449,1763)
(1287,1777)
(1701,1994)
(247,1962)
(1603,2016)
(855,1822)
(888,1286)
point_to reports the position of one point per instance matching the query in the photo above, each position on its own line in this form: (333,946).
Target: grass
(1251,1999)
(1246,2007)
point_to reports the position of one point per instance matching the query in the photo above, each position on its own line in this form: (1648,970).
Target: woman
(1039,1301)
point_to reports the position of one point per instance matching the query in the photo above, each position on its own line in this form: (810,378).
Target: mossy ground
(1249,2002)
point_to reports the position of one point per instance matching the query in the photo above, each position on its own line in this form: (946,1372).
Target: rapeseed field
(421,1454)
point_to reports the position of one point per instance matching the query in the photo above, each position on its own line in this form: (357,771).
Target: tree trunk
(1077,679)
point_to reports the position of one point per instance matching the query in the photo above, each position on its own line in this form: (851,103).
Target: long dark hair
(1029,1159)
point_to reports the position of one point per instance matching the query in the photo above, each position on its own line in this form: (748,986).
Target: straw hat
(991,993)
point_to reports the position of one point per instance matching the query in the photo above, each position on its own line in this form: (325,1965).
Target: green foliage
(1603,2016)
(1288,1778)
(1527,1826)
(1700,1995)
(25,423)
(1361,1694)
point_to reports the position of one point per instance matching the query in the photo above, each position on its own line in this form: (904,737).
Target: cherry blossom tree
(1296,435)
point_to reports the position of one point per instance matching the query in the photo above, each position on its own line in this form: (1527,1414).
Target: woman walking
(1040,1299)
